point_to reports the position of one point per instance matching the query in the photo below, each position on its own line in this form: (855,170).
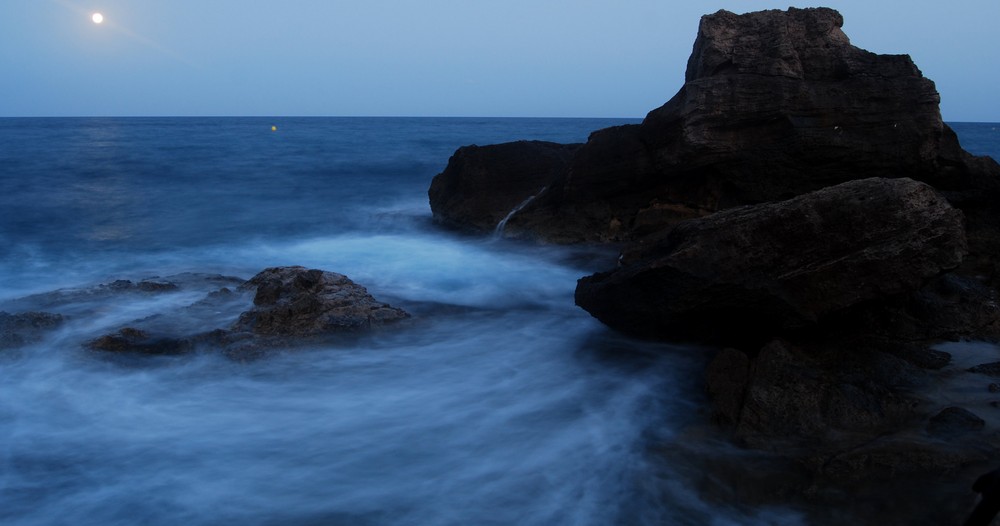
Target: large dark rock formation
(846,233)
(753,272)
(775,104)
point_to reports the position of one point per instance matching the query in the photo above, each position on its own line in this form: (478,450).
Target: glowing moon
(97,18)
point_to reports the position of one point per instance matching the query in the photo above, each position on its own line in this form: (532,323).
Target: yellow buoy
(274,128)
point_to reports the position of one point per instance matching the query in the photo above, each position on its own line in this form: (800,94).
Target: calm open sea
(502,403)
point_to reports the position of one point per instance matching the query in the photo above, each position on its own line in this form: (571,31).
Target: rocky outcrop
(289,305)
(752,272)
(801,200)
(775,104)
(295,301)
(483,185)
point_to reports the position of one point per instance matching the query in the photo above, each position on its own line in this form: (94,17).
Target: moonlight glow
(97,18)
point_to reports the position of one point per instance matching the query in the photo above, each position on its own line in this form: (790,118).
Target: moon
(97,18)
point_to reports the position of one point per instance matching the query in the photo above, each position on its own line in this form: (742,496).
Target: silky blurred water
(499,403)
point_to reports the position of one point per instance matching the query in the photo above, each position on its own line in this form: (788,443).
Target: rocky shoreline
(277,308)
(800,204)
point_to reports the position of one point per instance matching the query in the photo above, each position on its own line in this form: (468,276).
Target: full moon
(97,18)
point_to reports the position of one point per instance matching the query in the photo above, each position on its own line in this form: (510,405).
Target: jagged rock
(26,327)
(290,305)
(748,273)
(775,104)
(482,185)
(295,301)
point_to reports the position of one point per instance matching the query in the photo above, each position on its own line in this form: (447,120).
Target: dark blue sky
(564,58)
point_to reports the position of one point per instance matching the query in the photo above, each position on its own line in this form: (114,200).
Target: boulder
(775,104)
(746,274)
(296,301)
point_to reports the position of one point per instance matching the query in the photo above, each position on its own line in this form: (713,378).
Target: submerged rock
(26,327)
(130,339)
(295,301)
(289,305)
(753,272)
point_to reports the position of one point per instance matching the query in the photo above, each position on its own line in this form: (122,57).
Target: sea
(498,403)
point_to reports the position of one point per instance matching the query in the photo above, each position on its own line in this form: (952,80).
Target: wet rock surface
(306,302)
(24,328)
(281,307)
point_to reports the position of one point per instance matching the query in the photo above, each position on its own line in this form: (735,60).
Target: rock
(130,339)
(124,285)
(989,369)
(746,274)
(828,400)
(482,185)
(295,301)
(726,381)
(954,420)
(947,307)
(775,104)
(27,327)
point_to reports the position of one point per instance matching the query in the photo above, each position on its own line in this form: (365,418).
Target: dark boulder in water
(296,301)
(775,104)
(748,273)
(291,305)
(130,339)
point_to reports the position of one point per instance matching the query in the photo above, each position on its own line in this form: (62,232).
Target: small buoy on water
(274,128)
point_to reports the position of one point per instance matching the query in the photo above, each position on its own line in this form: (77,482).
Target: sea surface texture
(499,403)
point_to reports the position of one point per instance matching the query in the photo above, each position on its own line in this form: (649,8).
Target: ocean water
(499,403)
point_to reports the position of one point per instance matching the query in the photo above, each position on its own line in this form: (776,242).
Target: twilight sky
(531,58)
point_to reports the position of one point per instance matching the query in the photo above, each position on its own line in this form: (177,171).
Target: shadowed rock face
(481,185)
(750,272)
(775,104)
